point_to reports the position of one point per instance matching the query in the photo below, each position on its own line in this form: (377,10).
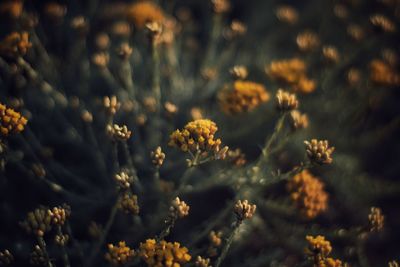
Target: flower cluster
(319,152)
(307,41)
(129,204)
(291,72)
(38,256)
(383,23)
(118,133)
(318,250)
(242,96)
(123,180)
(143,12)
(119,255)
(15,44)
(6,258)
(11,121)
(244,210)
(197,137)
(202,262)
(157,157)
(163,253)
(286,101)
(298,120)
(381,73)
(308,193)
(376,219)
(179,208)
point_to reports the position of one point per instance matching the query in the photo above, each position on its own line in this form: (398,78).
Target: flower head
(129,204)
(157,157)
(308,194)
(298,120)
(163,253)
(123,180)
(15,44)
(286,101)
(197,137)
(119,255)
(318,245)
(11,121)
(38,222)
(244,210)
(179,208)
(118,133)
(6,258)
(382,74)
(202,262)
(318,151)
(143,12)
(307,41)
(242,96)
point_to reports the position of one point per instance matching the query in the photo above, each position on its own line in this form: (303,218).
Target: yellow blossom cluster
(381,73)
(120,254)
(292,72)
(318,250)
(376,219)
(11,121)
(163,253)
(143,12)
(308,193)
(197,135)
(15,44)
(242,96)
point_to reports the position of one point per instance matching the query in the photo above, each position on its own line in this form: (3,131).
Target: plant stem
(228,243)
(167,230)
(64,251)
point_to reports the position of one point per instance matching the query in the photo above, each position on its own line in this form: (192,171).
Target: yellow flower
(162,253)
(197,137)
(120,254)
(318,245)
(291,72)
(15,44)
(143,12)
(242,96)
(308,194)
(11,121)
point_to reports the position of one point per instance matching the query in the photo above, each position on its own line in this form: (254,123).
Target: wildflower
(162,253)
(60,214)
(291,72)
(221,6)
(376,219)
(179,208)
(118,133)
(242,96)
(383,23)
(143,12)
(123,180)
(202,262)
(170,108)
(111,105)
(381,73)
(129,204)
(6,258)
(125,51)
(38,256)
(101,60)
(11,121)
(286,101)
(331,54)
(13,8)
(157,157)
(197,137)
(235,30)
(318,151)
(239,72)
(61,239)
(287,14)
(318,245)
(307,41)
(244,210)
(15,44)
(154,30)
(308,193)
(215,238)
(119,255)
(298,120)
(356,32)
(38,222)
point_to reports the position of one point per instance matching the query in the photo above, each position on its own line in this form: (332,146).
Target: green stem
(228,244)
(156,89)
(167,230)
